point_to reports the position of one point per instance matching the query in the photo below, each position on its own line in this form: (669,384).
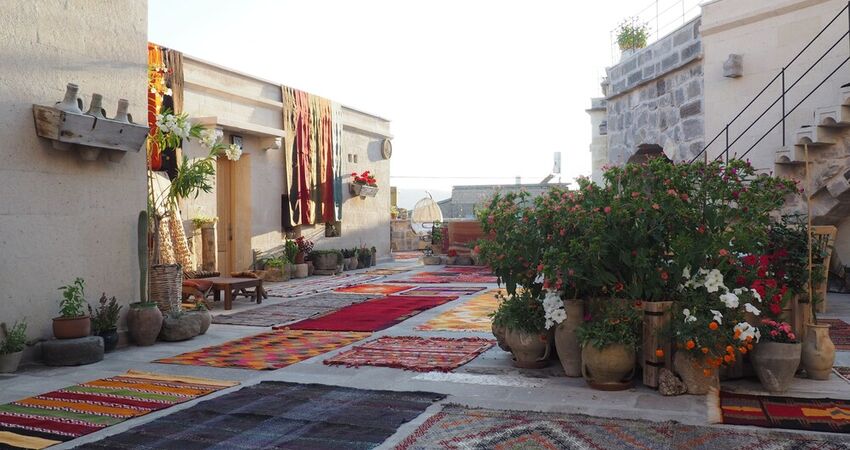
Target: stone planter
(352,263)
(692,374)
(451,260)
(818,353)
(776,363)
(463,260)
(311,268)
(301,271)
(205,317)
(144,321)
(325,261)
(530,350)
(610,368)
(9,362)
(110,339)
(500,332)
(180,327)
(432,260)
(71,327)
(566,340)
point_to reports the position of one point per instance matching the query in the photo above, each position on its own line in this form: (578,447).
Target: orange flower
(728,358)
(723,252)
(730,349)
(659,353)
(712,326)
(737,333)
(704,350)
(690,345)
(749,346)
(706,372)
(743,350)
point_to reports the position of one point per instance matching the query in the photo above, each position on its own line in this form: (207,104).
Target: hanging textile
(165,91)
(336,143)
(291,207)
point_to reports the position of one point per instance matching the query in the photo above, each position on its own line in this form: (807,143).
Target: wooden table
(231,286)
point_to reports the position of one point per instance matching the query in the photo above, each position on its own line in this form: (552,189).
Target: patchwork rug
(314,285)
(373,315)
(443,290)
(474,315)
(839,332)
(808,414)
(60,416)
(278,415)
(381,289)
(413,353)
(267,351)
(842,372)
(457,427)
(298,309)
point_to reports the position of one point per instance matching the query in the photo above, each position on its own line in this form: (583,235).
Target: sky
(478,92)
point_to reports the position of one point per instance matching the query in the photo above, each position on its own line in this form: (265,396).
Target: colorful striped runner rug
(439,291)
(413,353)
(793,413)
(381,289)
(60,416)
(473,315)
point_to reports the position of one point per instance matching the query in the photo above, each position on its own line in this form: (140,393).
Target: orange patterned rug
(268,351)
(474,315)
(381,289)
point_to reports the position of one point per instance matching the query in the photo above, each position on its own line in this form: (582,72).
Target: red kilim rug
(809,414)
(413,353)
(839,332)
(372,315)
(380,289)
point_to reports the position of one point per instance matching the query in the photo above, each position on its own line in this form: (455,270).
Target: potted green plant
(608,343)
(520,320)
(632,35)
(349,254)
(373,258)
(776,356)
(144,319)
(326,260)
(276,269)
(105,321)
(364,257)
(12,346)
(305,246)
(72,322)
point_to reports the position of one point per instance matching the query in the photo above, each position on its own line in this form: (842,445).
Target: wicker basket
(166,286)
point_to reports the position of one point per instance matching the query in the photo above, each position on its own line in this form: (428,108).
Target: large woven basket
(166,286)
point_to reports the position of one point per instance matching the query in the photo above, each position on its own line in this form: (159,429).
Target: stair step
(833,116)
(790,154)
(813,136)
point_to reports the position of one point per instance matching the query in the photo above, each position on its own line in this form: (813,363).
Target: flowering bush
(615,323)
(521,311)
(553,309)
(233,152)
(777,332)
(451,253)
(364,178)
(305,245)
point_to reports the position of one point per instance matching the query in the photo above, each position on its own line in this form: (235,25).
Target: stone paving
(489,381)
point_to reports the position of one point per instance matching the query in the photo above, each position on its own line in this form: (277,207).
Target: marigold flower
(659,353)
(712,326)
(690,345)
(704,350)
(706,372)
(728,358)
(730,349)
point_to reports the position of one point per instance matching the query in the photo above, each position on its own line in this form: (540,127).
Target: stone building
(465,199)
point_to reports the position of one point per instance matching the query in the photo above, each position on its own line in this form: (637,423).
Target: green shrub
(16,338)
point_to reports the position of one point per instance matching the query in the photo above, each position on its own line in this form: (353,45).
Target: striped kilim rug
(277,415)
(839,332)
(267,351)
(290,311)
(385,271)
(474,315)
(314,285)
(457,427)
(60,416)
(809,414)
(842,372)
(416,254)
(413,353)
(368,288)
(439,291)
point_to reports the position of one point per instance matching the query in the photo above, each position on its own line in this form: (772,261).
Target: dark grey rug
(290,311)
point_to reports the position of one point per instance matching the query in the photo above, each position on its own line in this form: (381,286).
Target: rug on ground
(416,254)
(292,310)
(842,372)
(368,288)
(440,291)
(839,332)
(457,427)
(413,353)
(386,271)
(66,414)
(447,277)
(474,315)
(314,285)
(267,351)
(278,415)
(373,315)
(810,414)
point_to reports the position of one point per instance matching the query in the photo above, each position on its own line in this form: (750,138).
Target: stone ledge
(72,352)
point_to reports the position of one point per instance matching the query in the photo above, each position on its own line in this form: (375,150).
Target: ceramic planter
(463,260)
(352,263)
(144,321)
(818,353)
(363,190)
(500,332)
(110,339)
(691,373)
(566,340)
(9,362)
(451,260)
(325,261)
(610,368)
(530,350)
(775,364)
(301,271)
(311,268)
(71,327)
(432,260)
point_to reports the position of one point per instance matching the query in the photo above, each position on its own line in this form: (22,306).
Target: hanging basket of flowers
(364,185)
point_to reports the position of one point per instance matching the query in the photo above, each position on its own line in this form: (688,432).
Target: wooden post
(209,252)
(656,320)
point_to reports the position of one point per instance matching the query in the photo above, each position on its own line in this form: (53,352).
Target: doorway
(233,205)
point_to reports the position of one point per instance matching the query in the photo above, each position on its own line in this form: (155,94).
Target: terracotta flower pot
(818,353)
(301,271)
(299,258)
(566,340)
(775,364)
(610,368)
(144,321)
(691,373)
(9,362)
(530,350)
(500,332)
(71,327)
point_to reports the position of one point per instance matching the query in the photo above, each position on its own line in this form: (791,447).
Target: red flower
(750,260)
(775,309)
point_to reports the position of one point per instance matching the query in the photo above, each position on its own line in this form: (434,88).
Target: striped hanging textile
(305,157)
(327,152)
(336,143)
(291,207)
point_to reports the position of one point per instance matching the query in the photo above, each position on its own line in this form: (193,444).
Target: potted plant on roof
(326,260)
(144,319)
(105,321)
(776,355)
(305,246)
(276,269)
(72,322)
(608,340)
(364,185)
(12,346)
(522,323)
(373,258)
(631,36)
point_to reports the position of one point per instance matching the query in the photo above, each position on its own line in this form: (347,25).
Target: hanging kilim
(165,91)
(291,208)
(336,126)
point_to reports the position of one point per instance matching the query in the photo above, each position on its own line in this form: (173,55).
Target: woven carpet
(457,427)
(810,414)
(267,351)
(386,271)
(473,315)
(483,270)
(314,285)
(382,289)
(373,315)
(413,353)
(842,372)
(278,415)
(407,255)
(440,291)
(66,414)
(839,332)
(290,311)
(447,277)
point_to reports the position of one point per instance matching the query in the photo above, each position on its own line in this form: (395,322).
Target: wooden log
(656,322)
(209,252)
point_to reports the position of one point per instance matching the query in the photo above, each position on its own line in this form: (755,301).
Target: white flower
(559,315)
(717,316)
(751,309)
(233,152)
(210,137)
(553,308)
(747,331)
(539,279)
(756,295)
(730,300)
(688,317)
(739,291)
(713,280)
(686,272)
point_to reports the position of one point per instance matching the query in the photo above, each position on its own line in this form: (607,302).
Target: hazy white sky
(474,88)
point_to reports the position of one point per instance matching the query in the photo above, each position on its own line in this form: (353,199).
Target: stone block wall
(655,97)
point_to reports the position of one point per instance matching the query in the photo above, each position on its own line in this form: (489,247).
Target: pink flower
(656,206)
(792,336)
(607,210)
(635,194)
